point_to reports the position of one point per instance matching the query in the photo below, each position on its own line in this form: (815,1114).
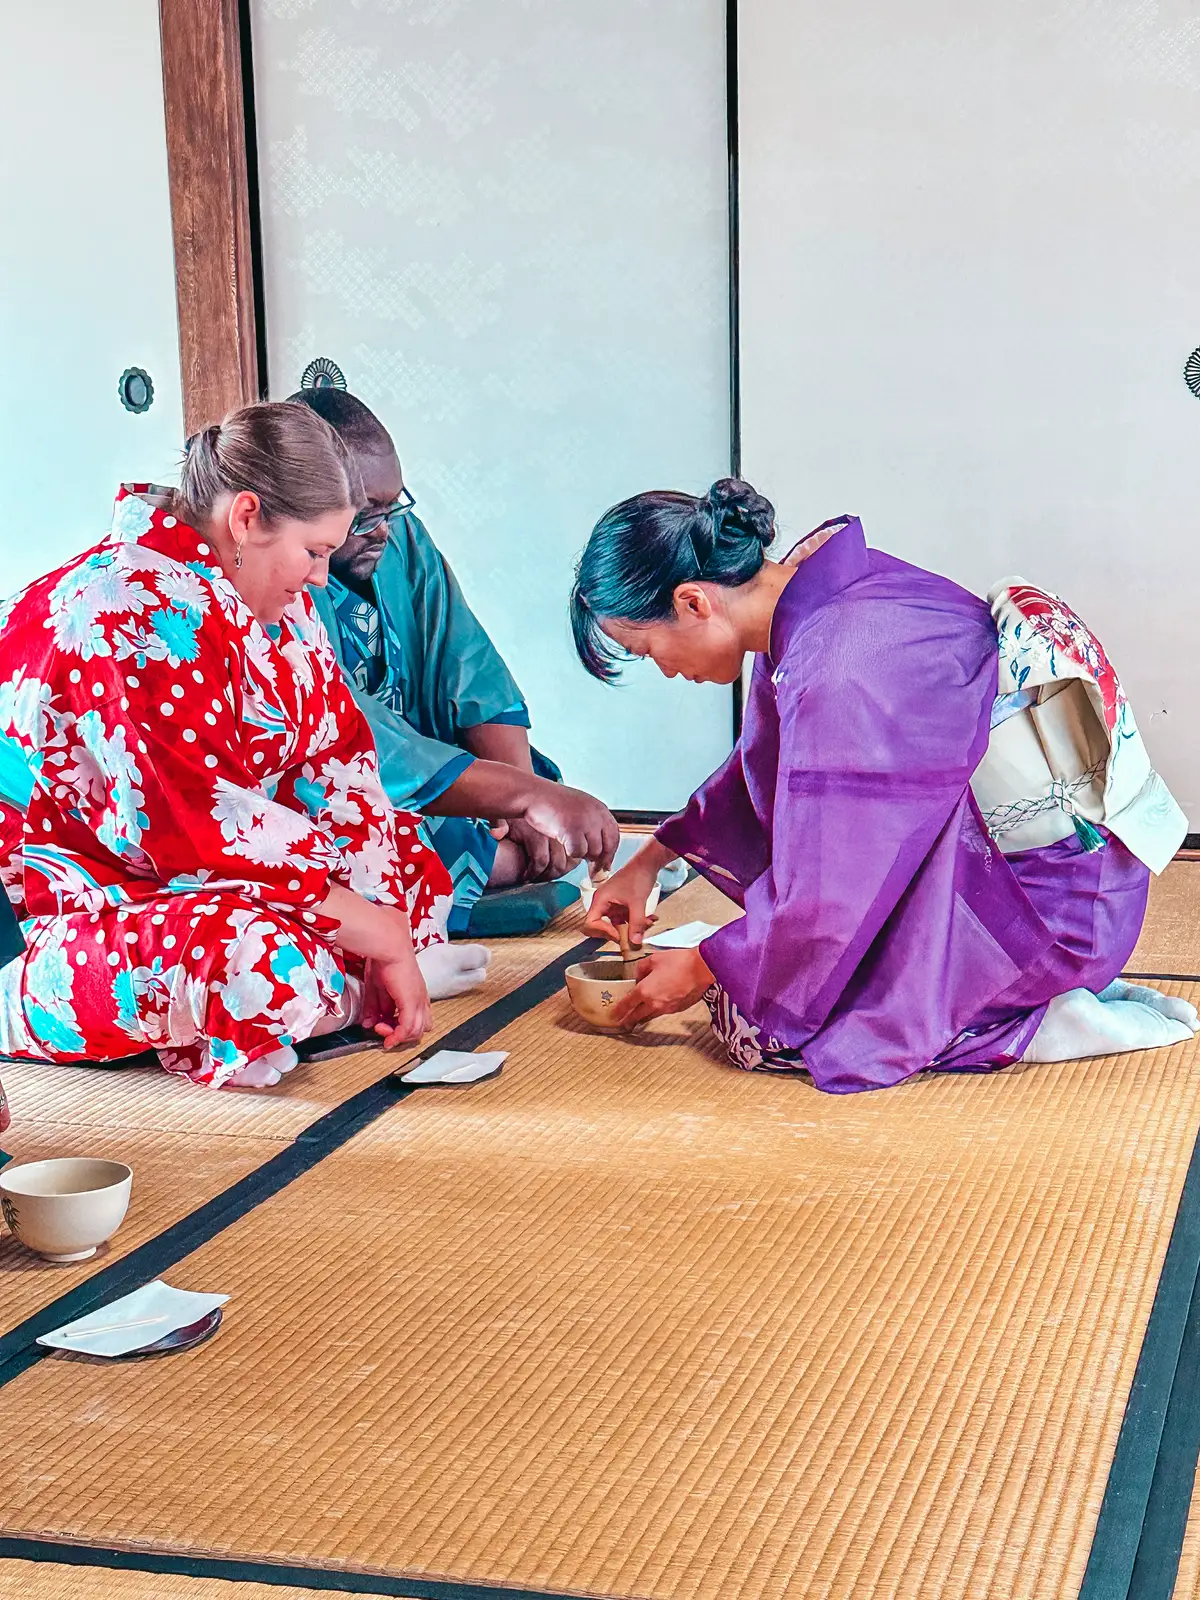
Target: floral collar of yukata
(142,515)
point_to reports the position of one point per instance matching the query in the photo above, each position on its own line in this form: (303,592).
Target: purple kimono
(885,932)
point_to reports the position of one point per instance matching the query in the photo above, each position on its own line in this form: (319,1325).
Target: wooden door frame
(212,167)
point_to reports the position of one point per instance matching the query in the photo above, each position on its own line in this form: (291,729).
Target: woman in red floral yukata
(193,825)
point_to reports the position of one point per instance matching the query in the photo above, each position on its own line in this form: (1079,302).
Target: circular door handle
(135,389)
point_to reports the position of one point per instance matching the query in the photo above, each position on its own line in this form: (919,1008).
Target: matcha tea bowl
(597,987)
(65,1209)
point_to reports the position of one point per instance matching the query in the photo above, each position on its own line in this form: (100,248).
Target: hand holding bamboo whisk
(629,955)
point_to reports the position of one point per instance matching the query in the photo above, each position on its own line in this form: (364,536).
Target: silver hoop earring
(237,555)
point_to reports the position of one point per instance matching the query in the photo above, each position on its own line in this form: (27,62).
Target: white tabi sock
(264,1072)
(1080,1024)
(450,969)
(1181,1010)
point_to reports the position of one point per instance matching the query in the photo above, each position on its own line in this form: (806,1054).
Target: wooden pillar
(210,206)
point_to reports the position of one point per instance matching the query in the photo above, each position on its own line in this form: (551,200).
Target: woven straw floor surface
(37,1580)
(626,1322)
(1187,1584)
(186,1145)
(1170,940)
(145,1097)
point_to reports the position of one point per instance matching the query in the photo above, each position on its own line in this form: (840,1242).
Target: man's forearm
(581,823)
(490,789)
(500,741)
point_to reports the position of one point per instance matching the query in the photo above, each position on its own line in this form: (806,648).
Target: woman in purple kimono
(940,820)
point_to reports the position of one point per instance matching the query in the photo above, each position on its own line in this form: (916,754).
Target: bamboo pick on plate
(113,1327)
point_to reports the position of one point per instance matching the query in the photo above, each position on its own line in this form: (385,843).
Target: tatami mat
(38,1580)
(172,1175)
(187,1145)
(1170,939)
(145,1097)
(627,1322)
(1187,1585)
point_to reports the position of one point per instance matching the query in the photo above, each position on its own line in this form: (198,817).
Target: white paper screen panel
(507,225)
(87,280)
(969,246)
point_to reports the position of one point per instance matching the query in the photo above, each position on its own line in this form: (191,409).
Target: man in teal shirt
(450,724)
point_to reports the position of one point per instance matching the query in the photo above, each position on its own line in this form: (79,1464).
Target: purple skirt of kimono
(1092,905)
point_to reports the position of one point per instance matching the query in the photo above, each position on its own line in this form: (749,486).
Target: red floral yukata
(194,784)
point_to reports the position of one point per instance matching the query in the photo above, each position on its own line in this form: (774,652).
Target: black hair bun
(739,510)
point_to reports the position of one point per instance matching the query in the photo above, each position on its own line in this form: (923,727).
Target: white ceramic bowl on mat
(65,1209)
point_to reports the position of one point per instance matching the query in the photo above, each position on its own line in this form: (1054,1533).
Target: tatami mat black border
(19,1349)
(1139,1459)
(338,1581)
(1156,1569)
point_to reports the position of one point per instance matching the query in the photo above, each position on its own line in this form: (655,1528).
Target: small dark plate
(182,1339)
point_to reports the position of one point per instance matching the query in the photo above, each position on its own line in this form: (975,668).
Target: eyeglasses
(374,517)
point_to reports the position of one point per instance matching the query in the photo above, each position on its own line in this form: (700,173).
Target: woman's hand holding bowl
(668,981)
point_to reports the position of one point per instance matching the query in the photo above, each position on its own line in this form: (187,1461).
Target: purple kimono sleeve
(871,780)
(718,832)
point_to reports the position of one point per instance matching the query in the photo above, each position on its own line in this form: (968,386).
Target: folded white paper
(456,1066)
(686,937)
(156,1308)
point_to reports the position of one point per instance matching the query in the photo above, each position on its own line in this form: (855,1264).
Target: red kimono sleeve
(165,778)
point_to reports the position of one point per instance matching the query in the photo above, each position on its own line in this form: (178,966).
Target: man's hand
(668,981)
(584,826)
(546,859)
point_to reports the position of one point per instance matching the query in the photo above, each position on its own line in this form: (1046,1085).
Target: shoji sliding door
(87,289)
(969,249)
(506,225)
